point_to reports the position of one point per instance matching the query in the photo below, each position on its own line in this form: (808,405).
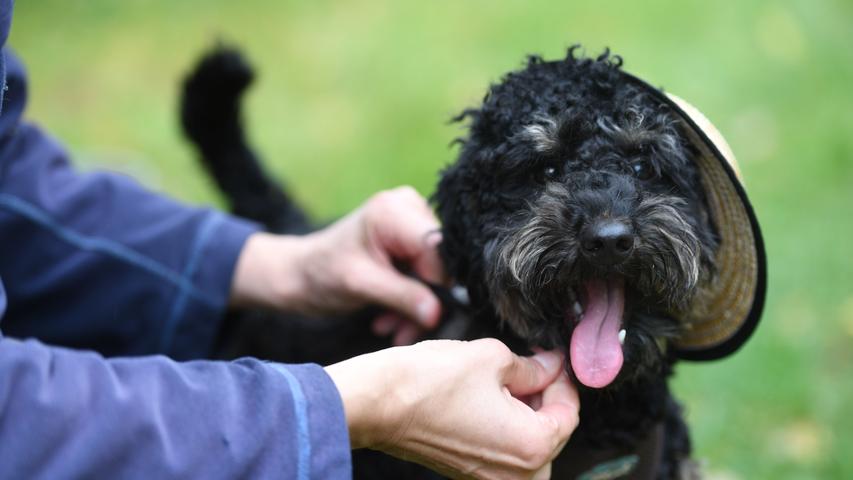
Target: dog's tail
(210,115)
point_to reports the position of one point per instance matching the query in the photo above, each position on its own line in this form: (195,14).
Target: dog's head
(575,213)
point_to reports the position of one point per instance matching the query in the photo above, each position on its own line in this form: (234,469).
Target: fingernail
(550,361)
(433,238)
(424,311)
(384,325)
(406,335)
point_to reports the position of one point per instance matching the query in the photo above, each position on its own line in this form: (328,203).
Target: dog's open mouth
(595,349)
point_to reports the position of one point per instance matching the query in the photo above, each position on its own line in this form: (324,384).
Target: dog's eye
(642,170)
(550,173)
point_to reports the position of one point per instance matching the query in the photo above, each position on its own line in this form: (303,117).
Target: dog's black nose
(607,241)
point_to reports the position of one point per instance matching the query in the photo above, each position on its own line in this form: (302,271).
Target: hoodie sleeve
(97,261)
(94,260)
(72,414)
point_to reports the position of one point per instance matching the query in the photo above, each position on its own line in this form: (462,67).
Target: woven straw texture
(723,304)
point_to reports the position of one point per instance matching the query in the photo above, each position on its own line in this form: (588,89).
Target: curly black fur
(210,115)
(554,147)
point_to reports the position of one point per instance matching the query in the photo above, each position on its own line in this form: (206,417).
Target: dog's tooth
(460,294)
(622,336)
(578,309)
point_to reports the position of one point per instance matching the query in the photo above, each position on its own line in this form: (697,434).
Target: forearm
(74,414)
(373,407)
(295,273)
(126,271)
(268,273)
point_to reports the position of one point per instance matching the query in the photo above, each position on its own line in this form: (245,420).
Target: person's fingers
(413,235)
(543,473)
(407,333)
(385,324)
(383,285)
(560,405)
(533,401)
(427,264)
(562,392)
(528,375)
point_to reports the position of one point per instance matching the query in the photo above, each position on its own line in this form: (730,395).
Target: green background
(355,96)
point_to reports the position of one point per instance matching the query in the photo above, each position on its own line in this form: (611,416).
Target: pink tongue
(595,351)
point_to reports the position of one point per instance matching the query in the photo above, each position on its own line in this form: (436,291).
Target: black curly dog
(574,216)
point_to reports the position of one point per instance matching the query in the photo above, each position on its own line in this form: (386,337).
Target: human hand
(351,264)
(455,407)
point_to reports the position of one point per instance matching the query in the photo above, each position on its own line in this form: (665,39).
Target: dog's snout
(607,241)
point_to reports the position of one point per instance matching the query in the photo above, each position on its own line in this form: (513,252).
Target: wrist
(370,390)
(269,272)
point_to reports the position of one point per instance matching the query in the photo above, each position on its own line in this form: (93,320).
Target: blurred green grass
(355,96)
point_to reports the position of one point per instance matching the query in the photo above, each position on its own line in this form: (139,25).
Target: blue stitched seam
(2,303)
(303,462)
(102,245)
(209,225)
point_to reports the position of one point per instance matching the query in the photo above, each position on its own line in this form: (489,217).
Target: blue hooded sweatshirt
(94,265)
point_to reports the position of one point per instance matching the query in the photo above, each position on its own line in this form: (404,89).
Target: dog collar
(589,463)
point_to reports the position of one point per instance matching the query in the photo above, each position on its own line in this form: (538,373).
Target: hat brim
(727,310)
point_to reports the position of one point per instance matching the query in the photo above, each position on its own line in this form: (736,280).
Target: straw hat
(724,313)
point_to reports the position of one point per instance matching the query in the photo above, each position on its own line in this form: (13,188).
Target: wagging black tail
(211,118)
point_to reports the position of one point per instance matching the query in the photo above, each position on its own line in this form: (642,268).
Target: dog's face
(575,214)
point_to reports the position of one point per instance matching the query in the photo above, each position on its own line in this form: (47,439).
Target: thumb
(527,375)
(390,288)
